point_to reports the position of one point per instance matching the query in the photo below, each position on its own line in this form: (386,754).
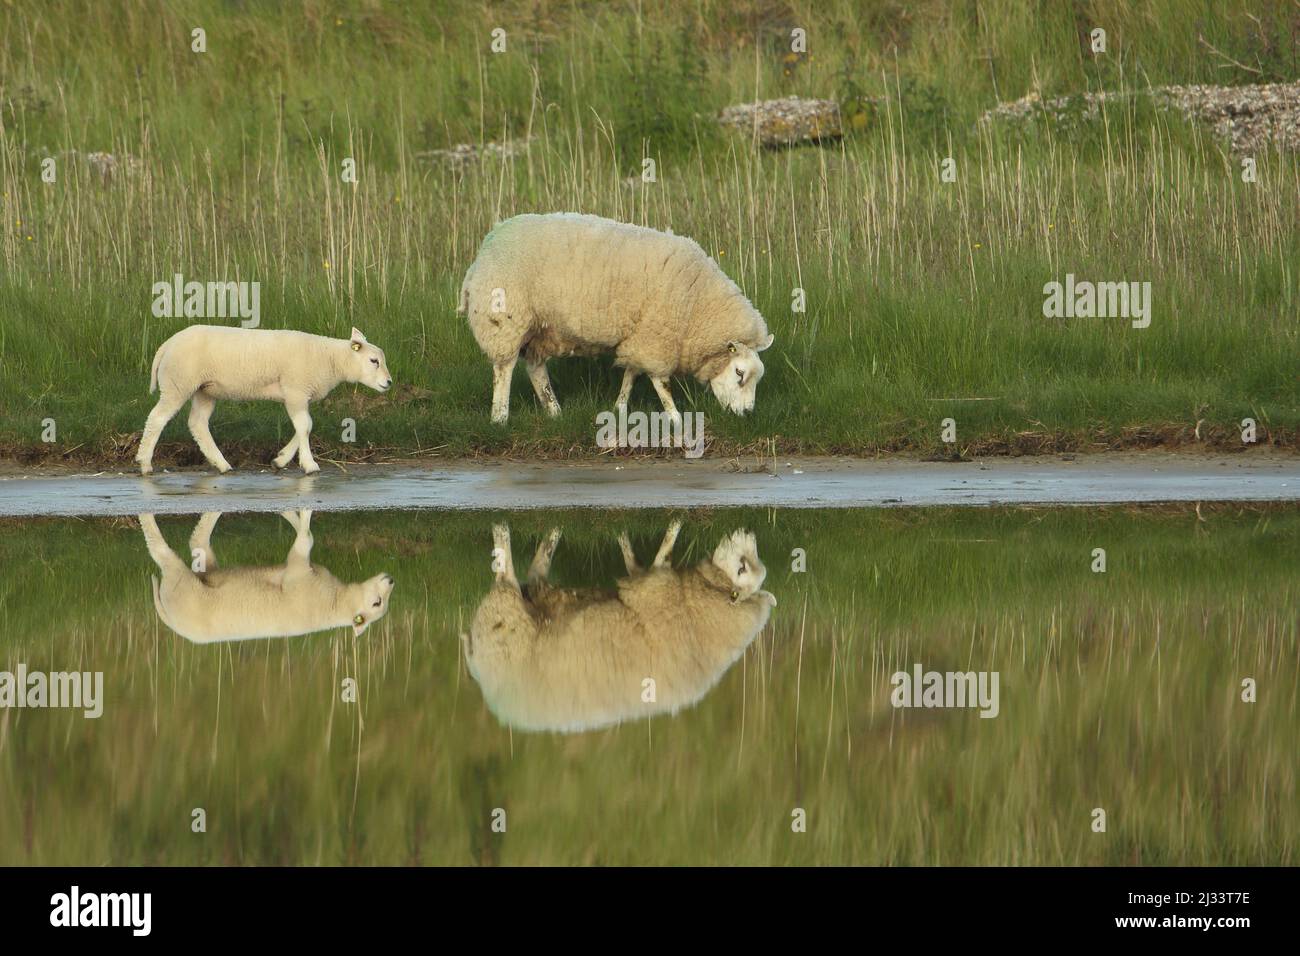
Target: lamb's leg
(666,548)
(501,375)
(201,539)
(629,559)
(541,566)
(542,386)
(666,396)
(503,562)
(201,407)
(300,552)
(286,453)
(162,555)
(296,406)
(625,393)
(169,403)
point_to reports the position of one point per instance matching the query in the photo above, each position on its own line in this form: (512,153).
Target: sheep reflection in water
(205,603)
(548,658)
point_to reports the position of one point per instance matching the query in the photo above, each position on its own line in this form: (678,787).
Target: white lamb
(568,284)
(239,604)
(203,363)
(568,660)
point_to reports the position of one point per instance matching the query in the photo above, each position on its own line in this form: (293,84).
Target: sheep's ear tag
(356,346)
(731,347)
(734,595)
(359,620)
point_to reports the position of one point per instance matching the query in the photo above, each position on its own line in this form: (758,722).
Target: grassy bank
(924,298)
(1118,690)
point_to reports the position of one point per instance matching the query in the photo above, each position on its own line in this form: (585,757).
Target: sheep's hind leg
(629,558)
(503,562)
(666,396)
(542,386)
(169,403)
(541,566)
(501,375)
(296,406)
(201,407)
(625,393)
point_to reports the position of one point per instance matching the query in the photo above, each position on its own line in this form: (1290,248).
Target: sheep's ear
(358,625)
(357,336)
(766,344)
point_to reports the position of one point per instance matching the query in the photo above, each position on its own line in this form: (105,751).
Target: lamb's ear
(359,625)
(357,338)
(766,344)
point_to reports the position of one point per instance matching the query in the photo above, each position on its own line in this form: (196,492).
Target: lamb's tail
(153,372)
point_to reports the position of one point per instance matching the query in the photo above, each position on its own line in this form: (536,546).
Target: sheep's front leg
(629,558)
(286,453)
(501,375)
(666,548)
(296,406)
(169,403)
(541,566)
(201,407)
(542,386)
(503,562)
(625,393)
(201,539)
(666,396)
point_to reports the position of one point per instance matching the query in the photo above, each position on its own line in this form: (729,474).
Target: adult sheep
(568,284)
(561,659)
(203,363)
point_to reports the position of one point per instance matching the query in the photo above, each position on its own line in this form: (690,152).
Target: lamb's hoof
(311,469)
(222,471)
(553,411)
(145,470)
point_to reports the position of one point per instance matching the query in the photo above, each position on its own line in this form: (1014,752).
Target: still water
(906,686)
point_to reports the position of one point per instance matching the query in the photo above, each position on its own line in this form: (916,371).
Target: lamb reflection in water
(205,603)
(568,660)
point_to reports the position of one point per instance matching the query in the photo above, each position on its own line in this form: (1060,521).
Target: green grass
(1118,690)
(921,295)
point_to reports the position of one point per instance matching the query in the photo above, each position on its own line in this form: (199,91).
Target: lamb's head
(736,384)
(736,556)
(369,601)
(367,364)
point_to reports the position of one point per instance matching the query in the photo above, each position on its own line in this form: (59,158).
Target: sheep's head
(736,384)
(370,601)
(736,556)
(368,365)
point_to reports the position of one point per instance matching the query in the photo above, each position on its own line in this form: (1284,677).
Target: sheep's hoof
(146,470)
(310,470)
